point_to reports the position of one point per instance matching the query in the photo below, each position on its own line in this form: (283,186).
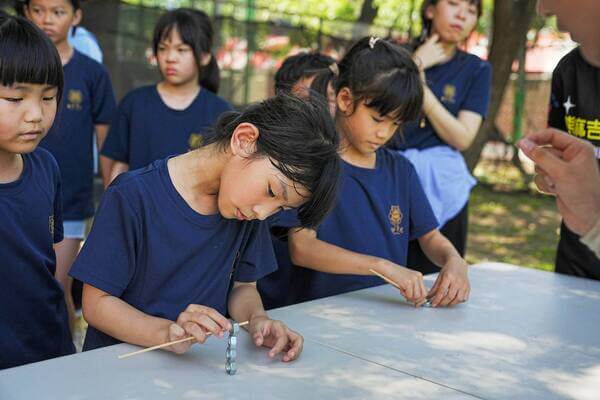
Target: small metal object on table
(231,352)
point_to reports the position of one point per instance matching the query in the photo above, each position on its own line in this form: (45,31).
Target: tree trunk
(368,12)
(511,23)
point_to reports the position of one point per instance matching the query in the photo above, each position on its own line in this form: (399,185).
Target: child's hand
(196,321)
(411,283)
(452,285)
(276,336)
(431,53)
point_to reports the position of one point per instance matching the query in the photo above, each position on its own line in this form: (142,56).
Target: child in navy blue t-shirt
(180,243)
(34,324)
(382,205)
(175,115)
(457,87)
(88,106)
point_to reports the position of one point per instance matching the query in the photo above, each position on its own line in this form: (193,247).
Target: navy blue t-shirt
(149,248)
(379,210)
(88,99)
(33,321)
(145,129)
(463,83)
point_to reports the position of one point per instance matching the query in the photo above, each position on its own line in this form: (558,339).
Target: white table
(524,334)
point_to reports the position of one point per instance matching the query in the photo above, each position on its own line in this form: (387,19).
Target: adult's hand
(568,168)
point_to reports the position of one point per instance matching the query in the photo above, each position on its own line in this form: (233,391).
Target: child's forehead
(171,35)
(27,87)
(50,3)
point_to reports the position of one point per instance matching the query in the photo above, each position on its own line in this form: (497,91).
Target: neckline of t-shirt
(19,184)
(364,170)
(181,204)
(72,59)
(453,59)
(186,110)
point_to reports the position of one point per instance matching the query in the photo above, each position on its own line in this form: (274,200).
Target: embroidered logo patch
(449,95)
(51,224)
(395,217)
(195,141)
(75,100)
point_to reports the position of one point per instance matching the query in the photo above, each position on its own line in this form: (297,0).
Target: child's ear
(243,140)
(430,12)
(345,101)
(77,17)
(205,59)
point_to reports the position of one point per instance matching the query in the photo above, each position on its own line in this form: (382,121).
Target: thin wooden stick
(391,282)
(385,278)
(160,346)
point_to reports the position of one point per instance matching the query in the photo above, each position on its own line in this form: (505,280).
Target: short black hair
(301,65)
(27,55)
(20,3)
(299,138)
(196,31)
(384,76)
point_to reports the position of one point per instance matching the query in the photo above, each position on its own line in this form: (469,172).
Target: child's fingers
(450,296)
(434,38)
(195,330)
(212,314)
(296,342)
(441,291)
(258,338)
(208,324)
(281,340)
(409,292)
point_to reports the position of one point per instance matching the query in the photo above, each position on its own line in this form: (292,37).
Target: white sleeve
(592,239)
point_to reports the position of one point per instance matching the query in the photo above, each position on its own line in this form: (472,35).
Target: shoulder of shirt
(45,157)
(138,93)
(44,166)
(474,60)
(568,61)
(394,158)
(89,63)
(131,179)
(217,99)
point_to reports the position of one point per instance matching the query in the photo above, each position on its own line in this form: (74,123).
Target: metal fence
(250,41)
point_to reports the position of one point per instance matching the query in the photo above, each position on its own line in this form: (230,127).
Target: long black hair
(427,23)
(384,76)
(196,31)
(27,55)
(299,138)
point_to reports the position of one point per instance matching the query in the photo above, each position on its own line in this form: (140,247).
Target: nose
(462,13)
(171,55)
(34,114)
(47,18)
(264,211)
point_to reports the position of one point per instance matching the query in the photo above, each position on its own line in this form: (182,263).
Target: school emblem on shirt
(395,217)
(51,224)
(195,141)
(449,94)
(75,99)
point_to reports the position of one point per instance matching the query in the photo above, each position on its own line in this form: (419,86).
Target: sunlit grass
(518,227)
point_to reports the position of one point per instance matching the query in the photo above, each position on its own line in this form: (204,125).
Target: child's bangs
(397,95)
(28,58)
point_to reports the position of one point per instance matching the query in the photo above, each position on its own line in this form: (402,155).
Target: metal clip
(231,352)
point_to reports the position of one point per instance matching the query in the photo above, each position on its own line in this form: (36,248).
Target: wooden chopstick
(160,346)
(385,278)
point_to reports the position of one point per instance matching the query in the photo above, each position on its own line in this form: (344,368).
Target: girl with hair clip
(381,205)
(87,107)
(176,114)
(456,88)
(180,243)
(34,324)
